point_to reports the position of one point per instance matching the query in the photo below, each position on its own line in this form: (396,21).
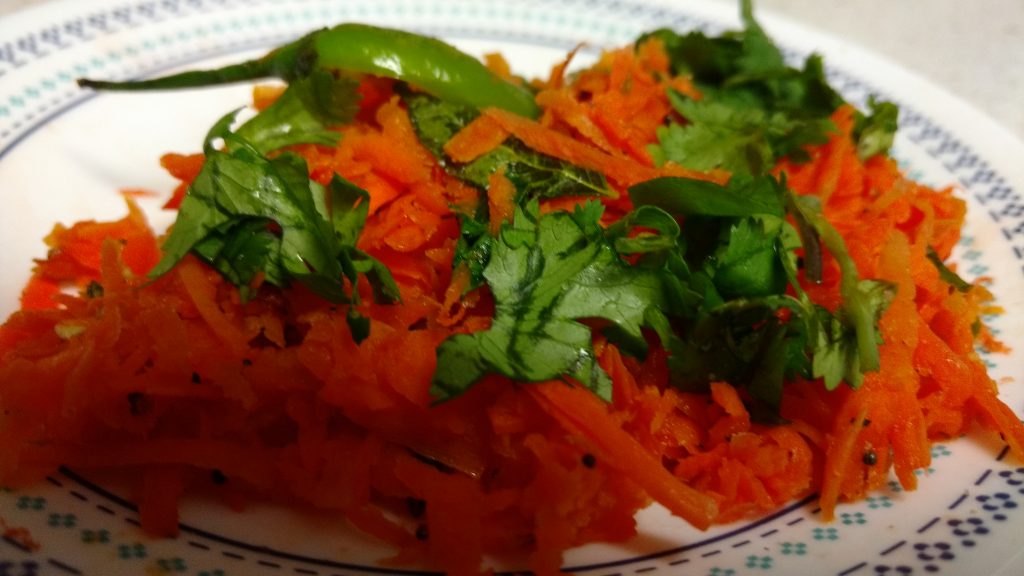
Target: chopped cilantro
(534,175)
(546,273)
(715,291)
(855,333)
(739,258)
(226,218)
(756,109)
(875,132)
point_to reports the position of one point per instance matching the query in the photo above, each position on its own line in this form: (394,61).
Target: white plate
(65,153)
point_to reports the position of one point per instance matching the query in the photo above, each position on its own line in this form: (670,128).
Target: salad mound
(500,323)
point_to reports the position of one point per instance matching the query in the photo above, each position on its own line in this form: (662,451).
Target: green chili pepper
(424,62)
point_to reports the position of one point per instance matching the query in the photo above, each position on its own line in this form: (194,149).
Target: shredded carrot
(562,105)
(185,168)
(931,381)
(479,137)
(496,62)
(158,502)
(624,171)
(556,79)
(263,95)
(19,535)
(184,384)
(501,196)
(580,410)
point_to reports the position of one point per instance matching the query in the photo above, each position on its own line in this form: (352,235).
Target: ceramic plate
(65,153)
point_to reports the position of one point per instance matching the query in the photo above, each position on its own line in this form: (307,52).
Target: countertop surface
(975,50)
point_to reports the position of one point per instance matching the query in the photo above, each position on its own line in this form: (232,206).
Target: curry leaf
(534,175)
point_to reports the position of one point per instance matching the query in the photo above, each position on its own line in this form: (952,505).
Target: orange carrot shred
(479,137)
(501,196)
(581,411)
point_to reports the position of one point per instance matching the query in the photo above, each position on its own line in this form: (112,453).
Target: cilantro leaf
(546,273)
(755,108)
(226,218)
(874,133)
(863,301)
(242,250)
(473,248)
(658,231)
(759,55)
(741,196)
(742,341)
(736,267)
(347,207)
(838,352)
(534,175)
(748,264)
(302,113)
(244,184)
(710,60)
(717,136)
(734,330)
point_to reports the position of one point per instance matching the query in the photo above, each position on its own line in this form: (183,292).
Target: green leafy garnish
(742,341)
(546,274)
(247,214)
(711,270)
(741,196)
(719,136)
(715,291)
(534,175)
(739,260)
(436,121)
(747,264)
(733,258)
(875,132)
(756,109)
(847,342)
(303,112)
(863,304)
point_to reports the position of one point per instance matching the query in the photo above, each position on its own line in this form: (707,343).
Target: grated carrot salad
(178,379)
